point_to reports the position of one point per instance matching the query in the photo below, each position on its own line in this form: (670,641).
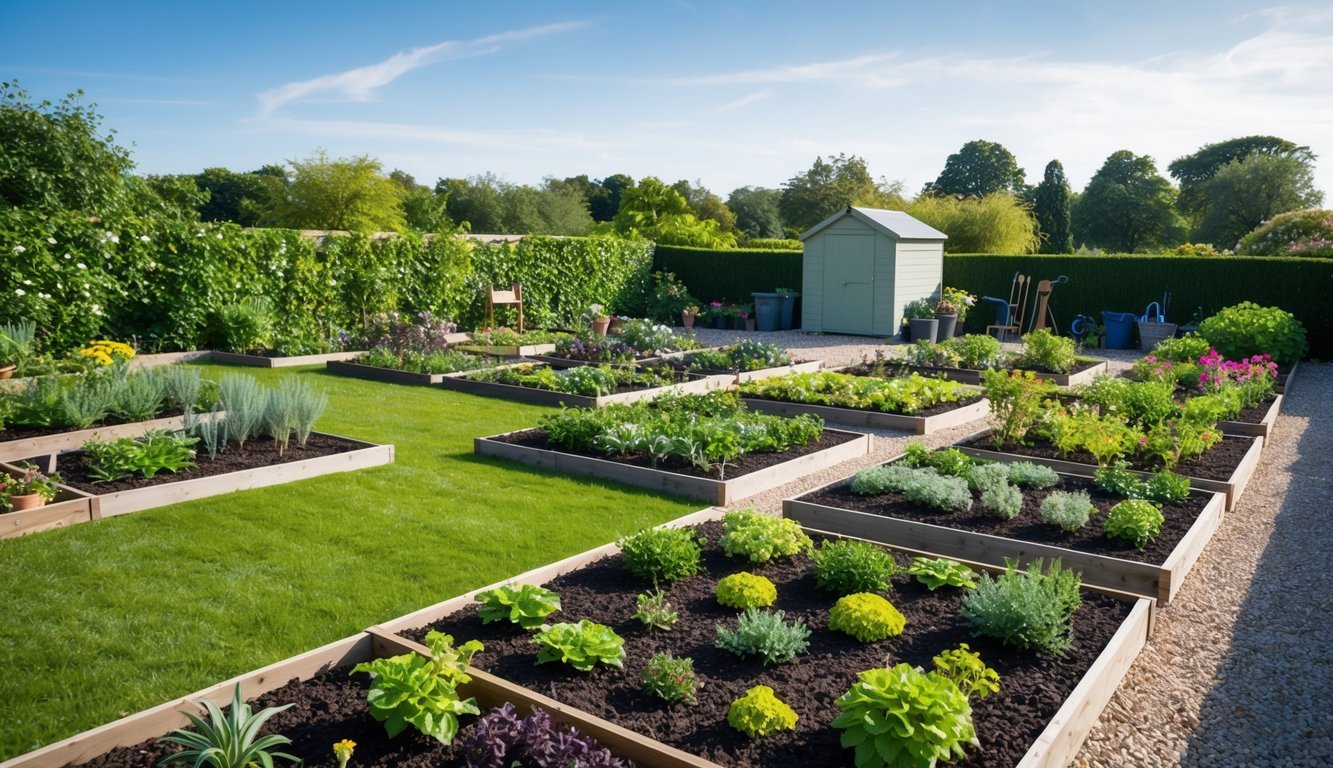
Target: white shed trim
(896,224)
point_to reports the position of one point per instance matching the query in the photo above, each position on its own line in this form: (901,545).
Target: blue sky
(728,93)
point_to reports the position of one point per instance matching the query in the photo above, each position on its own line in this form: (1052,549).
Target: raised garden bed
(388,375)
(1226,467)
(1084,371)
(67,508)
(1046,706)
(26,443)
(1254,422)
(170,358)
(258,466)
(509,350)
(756,472)
(936,418)
(843,394)
(273,361)
(1156,571)
(690,384)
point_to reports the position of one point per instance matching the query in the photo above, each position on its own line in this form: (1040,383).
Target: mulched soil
(1032,686)
(1217,463)
(1256,414)
(16,432)
(743,465)
(73,466)
(1028,525)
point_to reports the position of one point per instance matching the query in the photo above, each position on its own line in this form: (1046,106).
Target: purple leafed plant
(409,332)
(501,739)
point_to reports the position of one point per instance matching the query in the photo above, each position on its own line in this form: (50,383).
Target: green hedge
(1125,283)
(731,274)
(159,280)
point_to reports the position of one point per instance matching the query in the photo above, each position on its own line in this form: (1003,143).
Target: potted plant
(30,490)
(687,316)
(17,347)
(598,319)
(946,312)
(920,318)
(617,322)
(742,317)
(720,315)
(962,301)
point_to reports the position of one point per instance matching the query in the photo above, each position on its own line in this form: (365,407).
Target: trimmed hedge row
(1127,283)
(731,274)
(160,281)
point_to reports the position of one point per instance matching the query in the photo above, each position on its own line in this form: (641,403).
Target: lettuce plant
(746,590)
(760,538)
(422,692)
(936,572)
(1134,521)
(866,617)
(526,605)
(582,646)
(846,566)
(761,713)
(228,740)
(905,717)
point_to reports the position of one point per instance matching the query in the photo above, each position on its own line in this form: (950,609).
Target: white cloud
(361,83)
(746,100)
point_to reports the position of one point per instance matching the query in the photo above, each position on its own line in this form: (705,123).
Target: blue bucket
(1119,329)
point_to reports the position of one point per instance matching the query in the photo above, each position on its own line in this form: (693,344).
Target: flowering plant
(31,481)
(691,310)
(401,333)
(960,301)
(108,352)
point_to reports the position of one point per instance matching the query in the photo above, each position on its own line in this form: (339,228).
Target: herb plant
(745,590)
(966,669)
(905,717)
(907,395)
(1015,399)
(1134,521)
(671,679)
(760,713)
(866,617)
(764,634)
(654,611)
(525,605)
(936,572)
(665,554)
(760,538)
(228,740)
(582,646)
(1069,511)
(846,566)
(1046,352)
(1031,610)
(1002,501)
(422,692)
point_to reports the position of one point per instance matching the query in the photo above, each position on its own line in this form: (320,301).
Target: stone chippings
(1237,672)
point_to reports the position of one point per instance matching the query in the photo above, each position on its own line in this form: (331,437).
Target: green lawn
(104,619)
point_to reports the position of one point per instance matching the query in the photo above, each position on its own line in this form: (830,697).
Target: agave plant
(228,740)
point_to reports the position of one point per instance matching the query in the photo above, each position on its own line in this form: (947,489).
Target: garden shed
(861,265)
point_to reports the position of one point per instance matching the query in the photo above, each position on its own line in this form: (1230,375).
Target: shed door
(849,283)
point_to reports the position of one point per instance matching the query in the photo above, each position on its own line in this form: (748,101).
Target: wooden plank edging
(538,396)
(1262,428)
(262,361)
(29,447)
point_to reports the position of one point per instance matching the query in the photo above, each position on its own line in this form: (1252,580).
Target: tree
(475,202)
(492,205)
(659,213)
(238,197)
(1245,193)
(756,210)
(54,158)
(1194,170)
(346,193)
(606,208)
(978,169)
(1127,206)
(1051,209)
(706,205)
(997,223)
(828,187)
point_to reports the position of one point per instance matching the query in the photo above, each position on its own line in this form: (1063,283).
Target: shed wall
(920,269)
(812,285)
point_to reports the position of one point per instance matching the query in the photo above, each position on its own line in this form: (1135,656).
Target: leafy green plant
(661,554)
(936,572)
(1031,610)
(1182,349)
(654,611)
(1046,352)
(1246,329)
(846,566)
(229,740)
(1166,487)
(966,669)
(761,713)
(765,634)
(582,646)
(526,605)
(923,486)
(745,590)
(867,617)
(760,538)
(976,350)
(1002,501)
(671,679)
(902,395)
(156,451)
(1068,510)
(245,326)
(1015,399)
(422,692)
(982,477)
(904,717)
(1134,521)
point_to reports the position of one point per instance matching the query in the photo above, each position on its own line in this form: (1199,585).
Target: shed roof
(895,224)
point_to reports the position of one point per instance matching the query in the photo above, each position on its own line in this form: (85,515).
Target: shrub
(1003,501)
(1044,351)
(670,679)
(966,669)
(760,538)
(1031,610)
(904,717)
(976,350)
(245,326)
(764,634)
(986,476)
(844,566)
(1247,329)
(873,481)
(1067,510)
(1134,521)
(866,617)
(936,572)
(525,605)
(746,590)
(654,611)
(1025,474)
(1294,233)
(665,554)
(760,713)
(413,690)
(581,646)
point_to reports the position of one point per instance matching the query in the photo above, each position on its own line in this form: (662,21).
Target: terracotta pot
(7,370)
(599,326)
(687,320)
(27,501)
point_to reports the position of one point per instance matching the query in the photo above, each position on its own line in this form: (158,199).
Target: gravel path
(1236,668)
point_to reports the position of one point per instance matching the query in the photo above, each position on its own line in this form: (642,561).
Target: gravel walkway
(1236,667)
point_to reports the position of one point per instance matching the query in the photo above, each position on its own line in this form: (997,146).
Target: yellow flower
(343,751)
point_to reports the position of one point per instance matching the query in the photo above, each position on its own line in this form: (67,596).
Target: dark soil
(1256,414)
(16,432)
(1217,463)
(1032,686)
(1028,525)
(744,465)
(73,466)
(934,410)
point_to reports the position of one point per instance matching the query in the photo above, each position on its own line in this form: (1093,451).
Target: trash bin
(789,309)
(1119,329)
(767,311)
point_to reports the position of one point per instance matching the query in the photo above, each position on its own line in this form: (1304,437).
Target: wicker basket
(1152,333)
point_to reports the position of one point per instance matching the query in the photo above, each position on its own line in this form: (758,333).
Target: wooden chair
(1018,301)
(512,297)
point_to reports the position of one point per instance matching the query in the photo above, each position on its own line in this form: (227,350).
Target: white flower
(67,257)
(82,265)
(43,295)
(51,240)
(218,235)
(115,239)
(19,292)
(144,238)
(97,309)
(19,249)
(27,282)
(59,287)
